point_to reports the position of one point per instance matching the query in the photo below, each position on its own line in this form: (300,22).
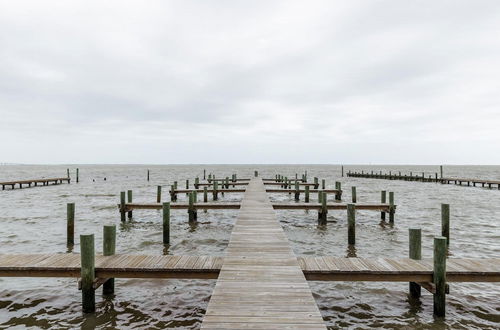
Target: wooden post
(306,196)
(445,222)
(439,276)
(187,184)
(166,223)
(323,212)
(158,194)
(383,200)
(353,193)
(77,175)
(129,200)
(351,224)
(196,183)
(441,171)
(316,184)
(323,184)
(204,174)
(415,254)
(227,182)
(148,175)
(256,173)
(192,214)
(122,205)
(320,196)
(342,170)
(87,256)
(338,194)
(215,197)
(67,172)
(108,249)
(70,215)
(205,194)
(297,191)
(391,207)
(173,194)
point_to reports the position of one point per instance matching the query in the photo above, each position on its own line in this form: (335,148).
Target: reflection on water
(33,221)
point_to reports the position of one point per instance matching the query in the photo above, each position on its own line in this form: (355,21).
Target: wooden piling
(158,194)
(204,174)
(441,171)
(148,175)
(129,200)
(323,212)
(316,184)
(205,194)
(196,183)
(87,255)
(67,173)
(77,175)
(353,193)
(342,169)
(297,191)
(173,194)
(192,214)
(445,222)
(338,195)
(383,200)
(439,276)
(122,205)
(108,249)
(415,246)
(351,224)
(187,184)
(256,173)
(166,223)
(214,193)
(306,194)
(70,215)
(391,207)
(323,184)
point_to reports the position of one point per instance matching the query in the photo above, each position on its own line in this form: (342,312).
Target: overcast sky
(250,82)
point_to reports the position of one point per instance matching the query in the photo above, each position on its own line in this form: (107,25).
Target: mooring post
(322,213)
(297,191)
(173,195)
(196,183)
(227,182)
(445,222)
(351,224)
(306,194)
(205,194)
(338,194)
(70,215)
(353,193)
(67,173)
(87,273)
(256,173)
(439,276)
(392,209)
(158,194)
(209,177)
(129,200)
(316,184)
(192,214)
(108,249)
(204,174)
(441,171)
(148,175)
(415,254)
(122,205)
(320,196)
(77,175)
(323,184)
(342,170)
(215,197)
(383,200)
(166,223)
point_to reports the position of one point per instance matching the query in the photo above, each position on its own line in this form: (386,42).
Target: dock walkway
(261,284)
(34,182)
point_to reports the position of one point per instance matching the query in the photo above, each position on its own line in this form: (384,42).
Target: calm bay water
(33,221)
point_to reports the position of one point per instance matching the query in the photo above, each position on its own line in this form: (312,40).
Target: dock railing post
(383,200)
(415,246)
(109,247)
(122,206)
(392,208)
(129,200)
(353,193)
(70,216)
(306,194)
(445,222)
(166,223)
(87,255)
(439,276)
(351,224)
(158,194)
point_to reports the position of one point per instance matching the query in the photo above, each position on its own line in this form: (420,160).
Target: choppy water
(33,221)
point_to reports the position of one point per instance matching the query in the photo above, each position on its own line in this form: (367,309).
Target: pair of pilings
(351,218)
(88,281)
(77,175)
(383,200)
(439,286)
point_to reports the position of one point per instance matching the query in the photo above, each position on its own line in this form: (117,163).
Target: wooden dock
(33,182)
(427,178)
(260,284)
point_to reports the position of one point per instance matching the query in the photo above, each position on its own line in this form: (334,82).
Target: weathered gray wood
(166,223)
(306,194)
(351,224)
(445,222)
(353,193)
(439,276)
(392,210)
(158,194)
(383,200)
(415,248)
(87,272)
(109,249)
(70,227)
(122,206)
(77,175)
(129,200)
